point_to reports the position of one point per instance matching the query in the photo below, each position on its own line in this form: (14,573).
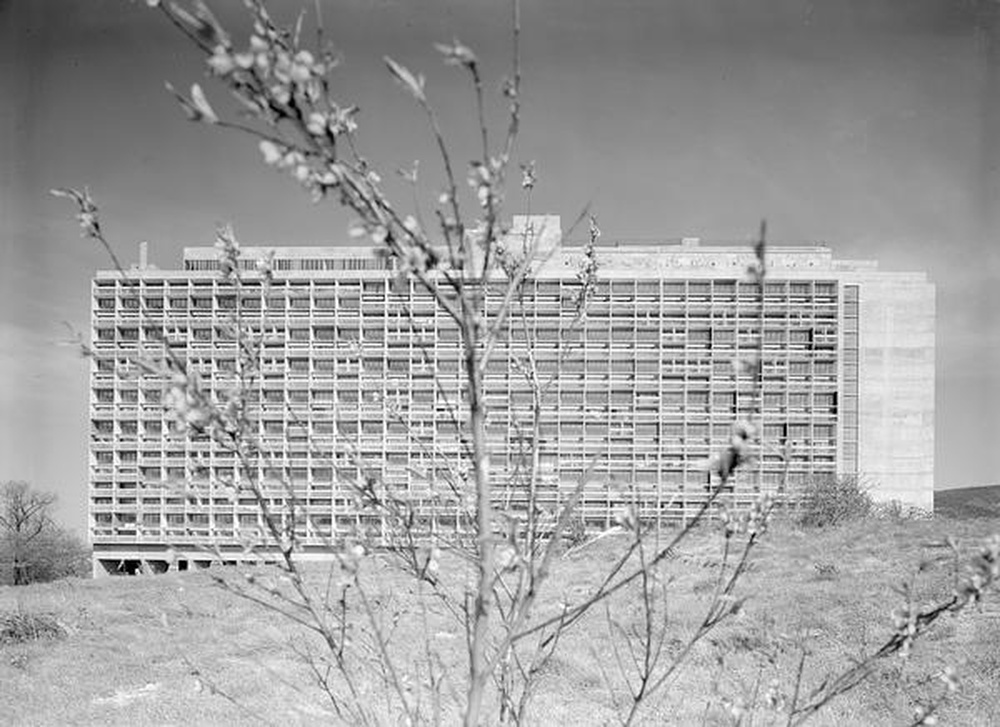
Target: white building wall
(896,443)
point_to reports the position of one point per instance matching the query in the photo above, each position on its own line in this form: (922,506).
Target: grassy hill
(968,502)
(175,649)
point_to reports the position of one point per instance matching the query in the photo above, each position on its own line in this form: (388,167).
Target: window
(798,432)
(826,289)
(699,289)
(725,288)
(673,398)
(825,368)
(826,400)
(775,433)
(698,398)
(698,431)
(724,400)
(700,336)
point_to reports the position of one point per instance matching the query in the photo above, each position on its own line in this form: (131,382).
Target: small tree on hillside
(32,546)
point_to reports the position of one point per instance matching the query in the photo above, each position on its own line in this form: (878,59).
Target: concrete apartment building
(359,369)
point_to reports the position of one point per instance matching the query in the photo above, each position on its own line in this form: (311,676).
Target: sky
(868,125)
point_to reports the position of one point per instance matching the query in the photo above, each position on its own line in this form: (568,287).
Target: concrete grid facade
(356,361)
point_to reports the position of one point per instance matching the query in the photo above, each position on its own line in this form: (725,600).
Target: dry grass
(150,650)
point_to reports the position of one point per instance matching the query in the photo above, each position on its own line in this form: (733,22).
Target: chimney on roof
(143,255)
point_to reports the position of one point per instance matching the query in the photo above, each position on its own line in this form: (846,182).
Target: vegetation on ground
(18,626)
(33,547)
(173,648)
(834,500)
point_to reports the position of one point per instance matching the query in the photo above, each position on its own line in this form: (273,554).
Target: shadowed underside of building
(359,376)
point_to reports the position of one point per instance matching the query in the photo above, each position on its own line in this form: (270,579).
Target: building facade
(359,378)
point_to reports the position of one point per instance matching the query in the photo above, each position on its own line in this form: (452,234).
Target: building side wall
(896,446)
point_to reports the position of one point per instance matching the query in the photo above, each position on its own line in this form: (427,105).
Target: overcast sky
(870,125)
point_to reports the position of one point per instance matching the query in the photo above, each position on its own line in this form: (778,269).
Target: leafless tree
(32,546)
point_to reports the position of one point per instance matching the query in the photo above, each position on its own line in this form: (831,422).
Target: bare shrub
(829,501)
(21,625)
(897,511)
(33,548)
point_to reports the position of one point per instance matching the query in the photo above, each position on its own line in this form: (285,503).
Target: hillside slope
(177,649)
(968,502)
